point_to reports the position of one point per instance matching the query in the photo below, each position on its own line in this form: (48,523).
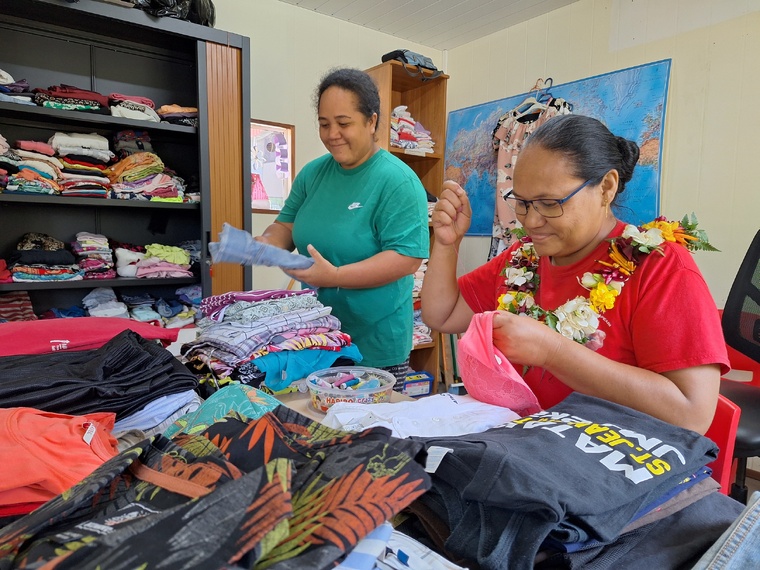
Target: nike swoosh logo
(354,206)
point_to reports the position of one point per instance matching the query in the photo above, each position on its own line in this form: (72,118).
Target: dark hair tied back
(357,82)
(629,154)
(589,146)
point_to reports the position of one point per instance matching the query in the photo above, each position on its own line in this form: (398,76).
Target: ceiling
(440,24)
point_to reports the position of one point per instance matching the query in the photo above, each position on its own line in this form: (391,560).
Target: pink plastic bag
(486,372)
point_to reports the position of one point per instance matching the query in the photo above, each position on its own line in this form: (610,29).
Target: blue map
(631,102)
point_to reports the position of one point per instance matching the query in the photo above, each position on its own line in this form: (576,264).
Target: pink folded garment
(487,374)
(136,98)
(36,146)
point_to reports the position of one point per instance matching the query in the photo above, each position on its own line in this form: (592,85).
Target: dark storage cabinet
(112,49)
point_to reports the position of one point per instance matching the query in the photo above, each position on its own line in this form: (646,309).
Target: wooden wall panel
(225,128)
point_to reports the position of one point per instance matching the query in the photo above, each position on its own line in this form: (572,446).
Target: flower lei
(578,319)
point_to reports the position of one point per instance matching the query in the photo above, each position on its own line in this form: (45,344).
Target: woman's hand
(321,274)
(452,214)
(525,340)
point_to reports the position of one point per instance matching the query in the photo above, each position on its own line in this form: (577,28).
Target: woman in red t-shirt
(637,328)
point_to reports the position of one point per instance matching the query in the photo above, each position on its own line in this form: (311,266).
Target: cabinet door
(229,182)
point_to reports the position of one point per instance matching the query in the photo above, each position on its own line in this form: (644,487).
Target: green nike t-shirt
(351,215)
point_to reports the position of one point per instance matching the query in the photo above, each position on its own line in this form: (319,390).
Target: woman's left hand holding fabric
(524,340)
(321,274)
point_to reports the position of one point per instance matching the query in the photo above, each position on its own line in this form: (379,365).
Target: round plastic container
(354,384)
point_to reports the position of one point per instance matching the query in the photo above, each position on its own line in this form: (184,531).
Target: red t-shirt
(664,318)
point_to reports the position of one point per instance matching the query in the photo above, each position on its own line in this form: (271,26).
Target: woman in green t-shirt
(361,213)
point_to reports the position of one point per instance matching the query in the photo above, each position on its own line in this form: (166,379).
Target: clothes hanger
(534,104)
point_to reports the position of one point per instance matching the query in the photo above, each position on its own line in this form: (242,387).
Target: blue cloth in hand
(238,246)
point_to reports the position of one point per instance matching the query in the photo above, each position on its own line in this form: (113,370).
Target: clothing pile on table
(65,411)
(291,494)
(409,134)
(268,338)
(584,484)
(588,481)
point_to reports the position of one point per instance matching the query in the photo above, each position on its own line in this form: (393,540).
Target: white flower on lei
(576,319)
(591,280)
(524,300)
(649,239)
(517,276)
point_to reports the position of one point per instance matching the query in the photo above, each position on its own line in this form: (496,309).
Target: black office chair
(741,329)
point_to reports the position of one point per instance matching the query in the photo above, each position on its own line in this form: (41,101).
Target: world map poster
(631,102)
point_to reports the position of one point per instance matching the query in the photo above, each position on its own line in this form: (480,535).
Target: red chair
(723,432)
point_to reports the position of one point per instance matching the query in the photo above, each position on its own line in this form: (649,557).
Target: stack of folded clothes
(129,141)
(164,261)
(102,302)
(40,257)
(12,91)
(84,158)
(70,98)
(142,176)
(409,134)
(133,107)
(94,256)
(179,115)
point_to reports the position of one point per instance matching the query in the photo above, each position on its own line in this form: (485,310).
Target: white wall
(291,48)
(712,120)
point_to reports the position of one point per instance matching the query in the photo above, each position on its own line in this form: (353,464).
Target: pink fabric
(82,333)
(486,372)
(155,267)
(36,146)
(137,99)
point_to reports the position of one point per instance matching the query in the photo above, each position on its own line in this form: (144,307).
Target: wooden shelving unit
(426,101)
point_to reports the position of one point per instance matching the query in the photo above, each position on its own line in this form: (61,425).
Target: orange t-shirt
(43,453)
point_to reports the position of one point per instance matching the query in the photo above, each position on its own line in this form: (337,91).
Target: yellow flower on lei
(602,297)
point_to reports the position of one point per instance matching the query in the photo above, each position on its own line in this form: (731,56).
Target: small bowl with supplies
(353,384)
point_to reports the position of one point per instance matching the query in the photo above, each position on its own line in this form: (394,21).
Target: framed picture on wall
(272,160)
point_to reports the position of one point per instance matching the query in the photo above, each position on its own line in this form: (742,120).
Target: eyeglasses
(547,208)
